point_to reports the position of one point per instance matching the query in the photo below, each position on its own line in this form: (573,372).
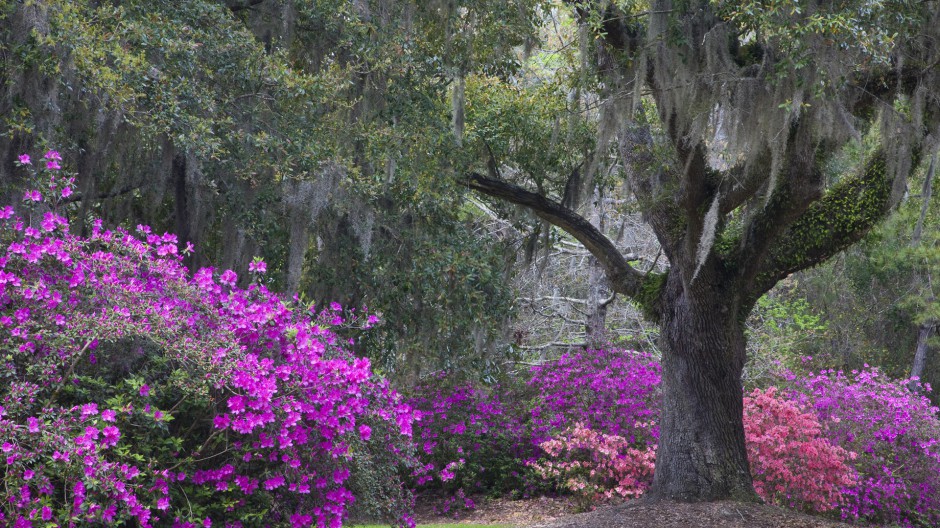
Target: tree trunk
(701,455)
(181,205)
(595,324)
(596,318)
(920,354)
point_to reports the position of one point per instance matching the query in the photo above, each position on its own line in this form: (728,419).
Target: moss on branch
(840,218)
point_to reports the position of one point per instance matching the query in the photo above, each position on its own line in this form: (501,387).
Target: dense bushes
(132,392)
(896,434)
(860,446)
(468,438)
(792,462)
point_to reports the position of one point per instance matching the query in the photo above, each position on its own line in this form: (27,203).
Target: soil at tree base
(558,513)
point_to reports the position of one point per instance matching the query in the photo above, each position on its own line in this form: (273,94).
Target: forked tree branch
(839,219)
(623,278)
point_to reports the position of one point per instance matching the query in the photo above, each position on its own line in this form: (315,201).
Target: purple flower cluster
(896,434)
(613,391)
(251,402)
(463,433)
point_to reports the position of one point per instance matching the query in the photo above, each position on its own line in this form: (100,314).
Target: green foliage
(349,99)
(868,30)
(521,128)
(782,328)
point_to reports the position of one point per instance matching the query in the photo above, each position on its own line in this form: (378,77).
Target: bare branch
(237,6)
(77,197)
(551,298)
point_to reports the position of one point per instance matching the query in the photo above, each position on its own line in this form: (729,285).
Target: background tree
(314,134)
(752,100)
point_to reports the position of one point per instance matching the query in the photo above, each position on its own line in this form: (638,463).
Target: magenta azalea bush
(792,462)
(135,393)
(896,433)
(613,391)
(469,440)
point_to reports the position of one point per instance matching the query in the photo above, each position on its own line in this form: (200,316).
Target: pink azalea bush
(133,392)
(896,433)
(594,466)
(792,462)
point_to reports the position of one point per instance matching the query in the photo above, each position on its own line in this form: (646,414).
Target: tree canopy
(315,134)
(347,144)
(728,115)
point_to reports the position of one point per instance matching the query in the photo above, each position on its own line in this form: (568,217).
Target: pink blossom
(33,424)
(110,435)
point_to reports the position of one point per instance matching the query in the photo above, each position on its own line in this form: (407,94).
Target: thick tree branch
(840,218)
(77,197)
(740,183)
(653,187)
(693,190)
(798,187)
(623,278)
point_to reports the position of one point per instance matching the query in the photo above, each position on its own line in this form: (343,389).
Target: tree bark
(595,325)
(924,333)
(181,204)
(701,454)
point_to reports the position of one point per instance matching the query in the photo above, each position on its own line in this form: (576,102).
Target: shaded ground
(557,513)
(527,512)
(724,514)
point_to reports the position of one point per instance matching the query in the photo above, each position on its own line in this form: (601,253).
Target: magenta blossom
(257,266)
(277,404)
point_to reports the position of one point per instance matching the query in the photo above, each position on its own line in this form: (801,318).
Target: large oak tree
(749,104)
